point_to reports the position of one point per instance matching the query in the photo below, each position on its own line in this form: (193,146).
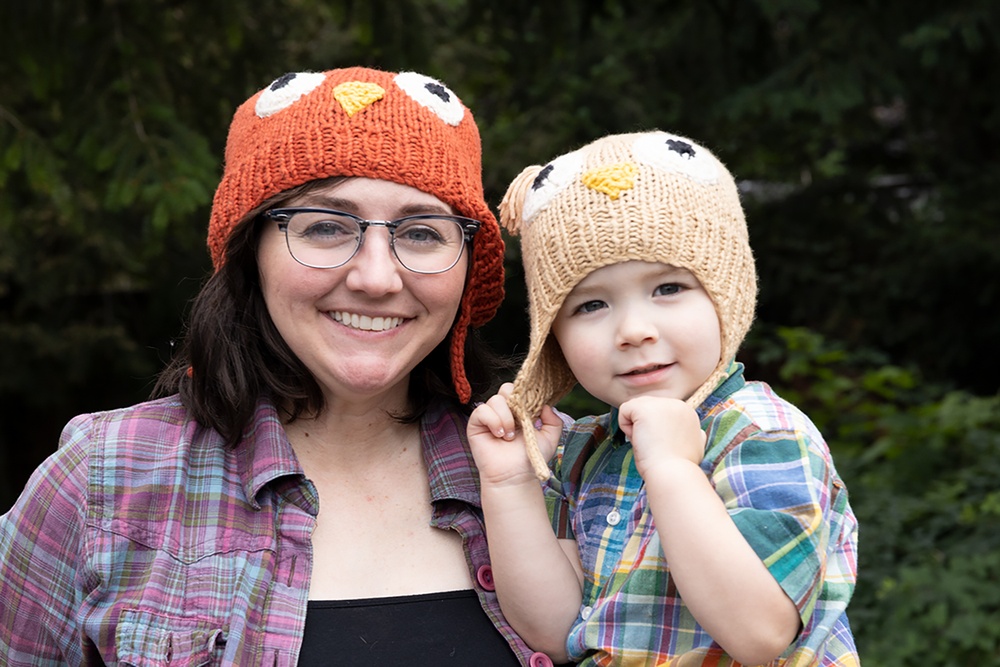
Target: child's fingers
(502,424)
(550,421)
(549,426)
(483,419)
(659,426)
(487,419)
(628,414)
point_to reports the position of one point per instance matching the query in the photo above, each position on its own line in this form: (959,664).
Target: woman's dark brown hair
(232,353)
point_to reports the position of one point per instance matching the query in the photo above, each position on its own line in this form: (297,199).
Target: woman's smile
(366,322)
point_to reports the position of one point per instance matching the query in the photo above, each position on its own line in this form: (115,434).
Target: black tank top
(448,628)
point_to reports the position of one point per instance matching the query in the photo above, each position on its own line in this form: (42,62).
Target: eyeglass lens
(324,239)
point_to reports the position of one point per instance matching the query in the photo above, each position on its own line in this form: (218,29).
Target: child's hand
(661,429)
(498,445)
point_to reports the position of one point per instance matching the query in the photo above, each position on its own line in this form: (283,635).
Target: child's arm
(538,577)
(719,576)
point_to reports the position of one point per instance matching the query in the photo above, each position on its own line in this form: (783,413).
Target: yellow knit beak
(611,179)
(356,95)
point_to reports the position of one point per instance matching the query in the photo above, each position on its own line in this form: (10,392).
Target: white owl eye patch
(285,91)
(433,95)
(674,154)
(555,177)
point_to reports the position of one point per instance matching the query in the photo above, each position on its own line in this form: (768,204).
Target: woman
(302,490)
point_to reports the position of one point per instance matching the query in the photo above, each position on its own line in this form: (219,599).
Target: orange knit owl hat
(652,197)
(407,128)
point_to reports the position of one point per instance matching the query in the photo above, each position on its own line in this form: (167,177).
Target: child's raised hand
(498,445)
(661,429)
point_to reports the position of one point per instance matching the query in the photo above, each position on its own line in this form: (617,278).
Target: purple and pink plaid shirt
(143,540)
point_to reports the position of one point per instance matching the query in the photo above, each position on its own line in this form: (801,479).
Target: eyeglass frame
(284,215)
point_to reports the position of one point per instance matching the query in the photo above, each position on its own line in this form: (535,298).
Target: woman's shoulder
(139,426)
(98,456)
(165,404)
(157,476)
(145,443)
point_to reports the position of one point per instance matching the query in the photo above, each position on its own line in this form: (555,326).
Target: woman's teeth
(366,323)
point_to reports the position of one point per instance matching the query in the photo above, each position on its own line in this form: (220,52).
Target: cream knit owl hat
(653,197)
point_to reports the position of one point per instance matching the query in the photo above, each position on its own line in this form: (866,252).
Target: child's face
(639,328)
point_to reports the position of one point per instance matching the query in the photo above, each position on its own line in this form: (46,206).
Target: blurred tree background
(863,135)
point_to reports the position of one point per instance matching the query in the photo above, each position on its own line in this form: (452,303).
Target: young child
(701,521)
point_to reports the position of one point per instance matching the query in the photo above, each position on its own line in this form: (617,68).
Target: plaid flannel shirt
(774,472)
(144,540)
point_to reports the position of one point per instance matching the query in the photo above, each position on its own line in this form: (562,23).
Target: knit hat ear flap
(484,291)
(528,397)
(543,370)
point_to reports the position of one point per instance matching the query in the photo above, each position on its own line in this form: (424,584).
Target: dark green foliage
(862,134)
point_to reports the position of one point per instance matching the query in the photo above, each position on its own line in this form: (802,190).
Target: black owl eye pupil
(542,175)
(680,147)
(282,81)
(438,90)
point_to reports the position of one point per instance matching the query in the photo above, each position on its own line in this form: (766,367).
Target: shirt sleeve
(778,486)
(41,549)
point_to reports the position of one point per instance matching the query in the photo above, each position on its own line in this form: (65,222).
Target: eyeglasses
(325,239)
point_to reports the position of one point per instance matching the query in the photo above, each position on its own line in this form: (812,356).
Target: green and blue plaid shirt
(773,470)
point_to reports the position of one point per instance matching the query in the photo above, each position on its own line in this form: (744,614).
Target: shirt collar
(615,433)
(733,382)
(450,467)
(265,454)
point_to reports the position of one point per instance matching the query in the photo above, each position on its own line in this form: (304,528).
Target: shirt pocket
(147,639)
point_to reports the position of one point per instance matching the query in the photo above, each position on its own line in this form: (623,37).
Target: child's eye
(589,306)
(667,289)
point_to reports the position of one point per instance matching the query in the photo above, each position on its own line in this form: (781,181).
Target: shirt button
(586,612)
(484,575)
(614,518)
(539,660)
